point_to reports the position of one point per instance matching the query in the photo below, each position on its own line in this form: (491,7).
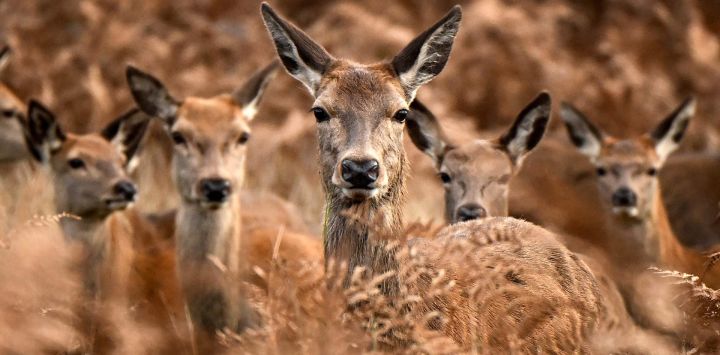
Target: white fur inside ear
(249,111)
(306,75)
(669,143)
(414,77)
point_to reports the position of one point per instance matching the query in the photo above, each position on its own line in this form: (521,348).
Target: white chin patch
(626,211)
(359,194)
(115,205)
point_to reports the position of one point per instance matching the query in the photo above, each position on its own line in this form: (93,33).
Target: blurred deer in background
(12,146)
(125,258)
(627,173)
(214,253)
(361,112)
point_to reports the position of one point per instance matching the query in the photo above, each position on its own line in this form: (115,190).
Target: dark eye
(652,171)
(320,114)
(76,163)
(445,178)
(601,171)
(243,138)
(178,138)
(8,113)
(401,115)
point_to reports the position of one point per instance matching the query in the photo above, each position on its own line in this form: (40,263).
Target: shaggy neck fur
(359,234)
(209,245)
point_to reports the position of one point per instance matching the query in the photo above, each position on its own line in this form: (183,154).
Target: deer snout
(360,174)
(624,197)
(470,211)
(126,190)
(215,190)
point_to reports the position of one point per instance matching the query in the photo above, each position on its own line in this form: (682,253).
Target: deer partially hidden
(515,287)
(214,255)
(627,171)
(125,258)
(12,145)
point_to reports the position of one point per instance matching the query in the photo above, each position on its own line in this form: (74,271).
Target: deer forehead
(90,147)
(349,87)
(630,152)
(208,117)
(478,158)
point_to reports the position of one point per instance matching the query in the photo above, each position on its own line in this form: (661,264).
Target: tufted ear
(43,134)
(303,58)
(583,134)
(126,133)
(249,94)
(4,57)
(670,131)
(151,96)
(426,133)
(528,129)
(425,57)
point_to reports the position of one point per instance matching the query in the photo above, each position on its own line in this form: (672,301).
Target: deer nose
(624,197)
(360,173)
(215,189)
(126,190)
(470,211)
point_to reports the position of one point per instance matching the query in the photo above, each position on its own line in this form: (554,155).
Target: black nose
(624,197)
(470,211)
(361,173)
(215,190)
(126,190)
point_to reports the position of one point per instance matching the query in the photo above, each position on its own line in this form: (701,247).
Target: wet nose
(470,212)
(126,190)
(215,189)
(360,173)
(624,197)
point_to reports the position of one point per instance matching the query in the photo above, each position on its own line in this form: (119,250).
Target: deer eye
(652,171)
(244,137)
(8,113)
(320,114)
(178,138)
(401,115)
(76,163)
(445,178)
(601,171)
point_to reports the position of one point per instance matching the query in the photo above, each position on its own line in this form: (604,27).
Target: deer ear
(43,134)
(669,133)
(303,58)
(150,95)
(4,57)
(426,133)
(248,96)
(126,133)
(528,129)
(426,56)
(583,134)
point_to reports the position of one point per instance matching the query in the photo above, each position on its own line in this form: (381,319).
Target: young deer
(125,259)
(627,172)
(361,112)
(208,167)
(12,146)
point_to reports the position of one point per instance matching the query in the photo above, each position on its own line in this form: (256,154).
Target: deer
(11,118)
(477,178)
(124,256)
(361,112)
(627,177)
(214,253)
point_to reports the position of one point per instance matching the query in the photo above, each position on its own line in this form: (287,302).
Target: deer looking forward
(627,172)
(361,112)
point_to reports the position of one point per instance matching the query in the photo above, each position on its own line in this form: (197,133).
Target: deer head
(88,171)
(627,169)
(476,175)
(209,134)
(12,119)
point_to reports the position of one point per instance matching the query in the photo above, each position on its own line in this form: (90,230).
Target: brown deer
(214,253)
(12,146)
(125,257)
(545,300)
(627,171)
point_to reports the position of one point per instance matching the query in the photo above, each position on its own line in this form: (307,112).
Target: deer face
(361,109)
(476,175)
(628,169)
(89,171)
(209,135)
(12,118)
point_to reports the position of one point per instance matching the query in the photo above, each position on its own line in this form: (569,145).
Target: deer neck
(95,240)
(208,246)
(360,234)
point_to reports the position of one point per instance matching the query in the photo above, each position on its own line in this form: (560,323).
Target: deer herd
(515,285)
